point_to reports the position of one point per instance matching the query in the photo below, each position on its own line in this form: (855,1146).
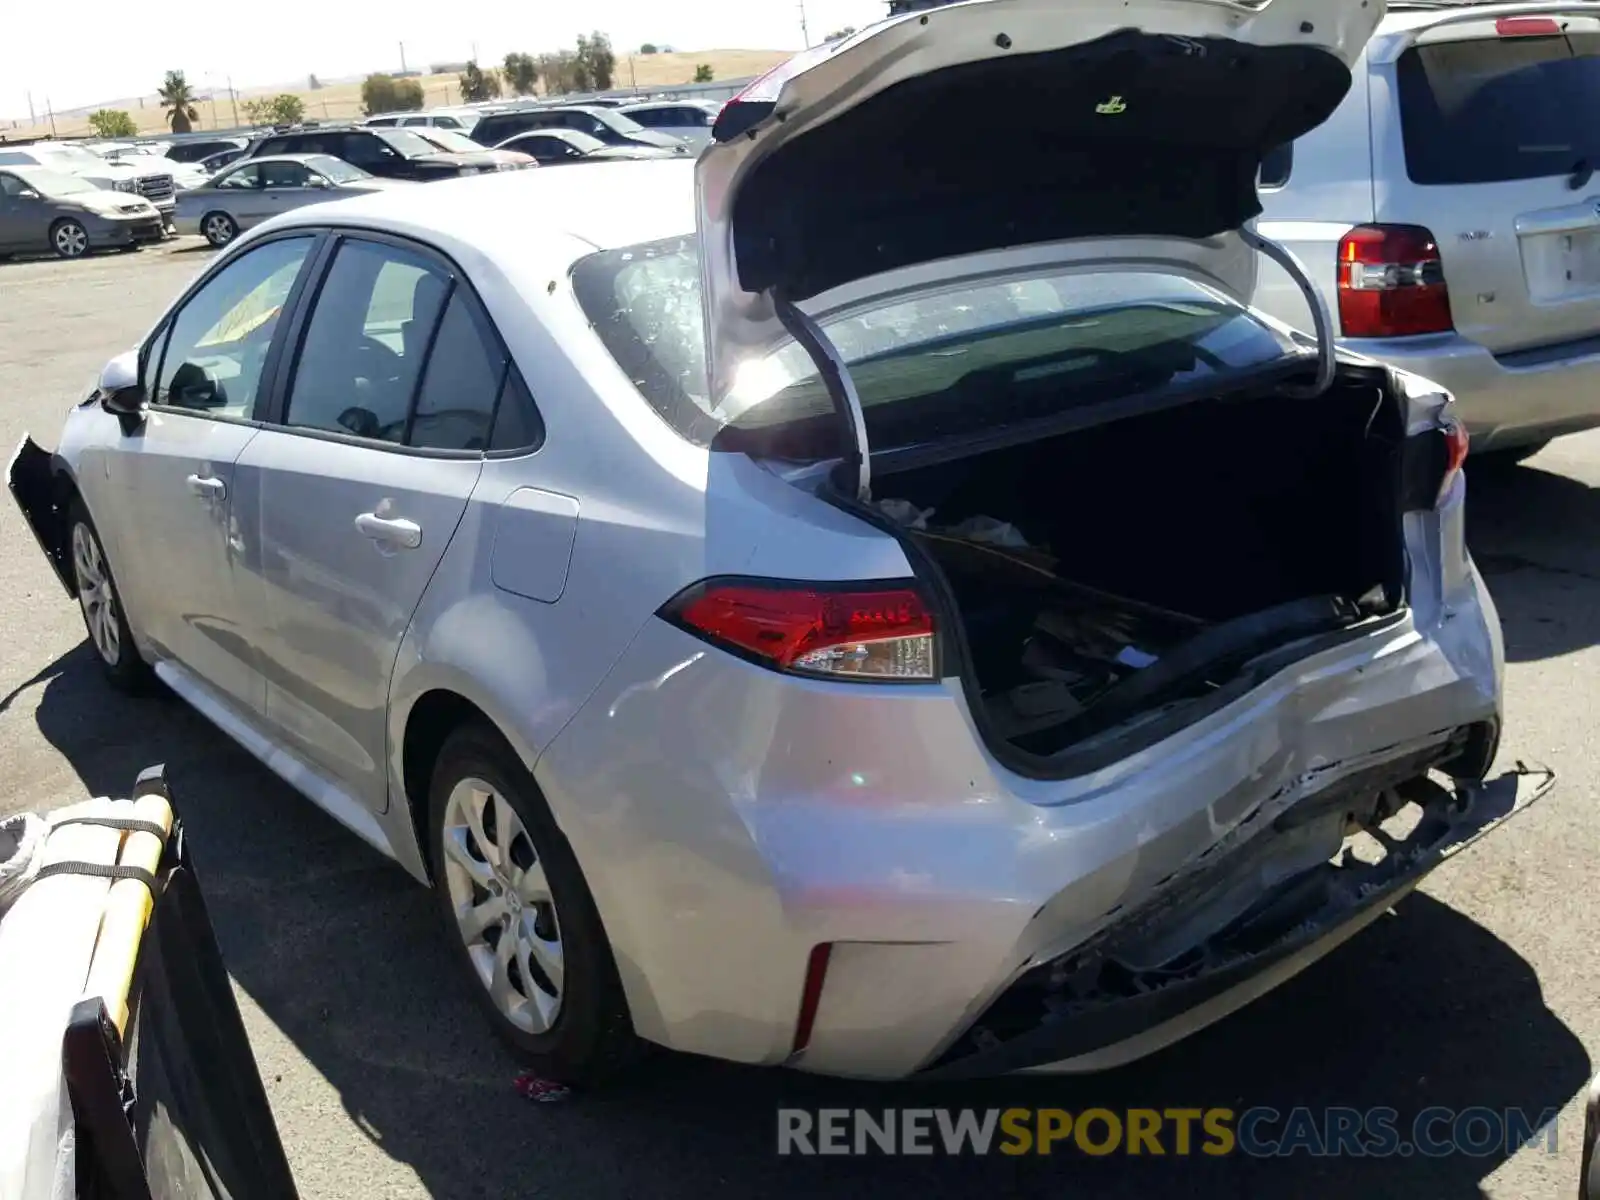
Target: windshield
(449,139)
(335,169)
(54,184)
(407,142)
(619,121)
(940,363)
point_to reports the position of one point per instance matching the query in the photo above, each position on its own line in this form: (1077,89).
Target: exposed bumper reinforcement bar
(32,479)
(1091,1024)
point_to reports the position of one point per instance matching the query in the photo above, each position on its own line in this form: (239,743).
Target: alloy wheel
(96,594)
(503,906)
(71,239)
(219,229)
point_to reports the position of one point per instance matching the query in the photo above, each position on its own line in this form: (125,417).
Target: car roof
(605,205)
(302,159)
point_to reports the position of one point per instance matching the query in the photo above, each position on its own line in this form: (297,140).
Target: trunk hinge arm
(841,390)
(1321,318)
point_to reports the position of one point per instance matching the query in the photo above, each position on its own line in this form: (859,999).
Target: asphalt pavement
(1481,991)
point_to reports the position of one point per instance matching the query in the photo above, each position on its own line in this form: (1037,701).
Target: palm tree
(177,97)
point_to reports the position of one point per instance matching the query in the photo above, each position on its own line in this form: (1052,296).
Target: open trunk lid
(994,124)
(1500,149)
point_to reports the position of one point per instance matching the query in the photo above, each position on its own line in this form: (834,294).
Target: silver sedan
(236,199)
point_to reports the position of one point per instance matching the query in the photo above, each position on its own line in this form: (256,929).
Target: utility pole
(402,58)
(33,118)
(805,33)
(233,99)
(49,108)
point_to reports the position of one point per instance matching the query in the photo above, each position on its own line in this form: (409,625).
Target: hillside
(342,100)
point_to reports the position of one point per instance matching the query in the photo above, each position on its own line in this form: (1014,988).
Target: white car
(824,604)
(152,179)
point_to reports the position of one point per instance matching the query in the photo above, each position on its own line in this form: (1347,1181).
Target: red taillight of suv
(1391,283)
(882,633)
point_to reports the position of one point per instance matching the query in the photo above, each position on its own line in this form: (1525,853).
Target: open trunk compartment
(1135,568)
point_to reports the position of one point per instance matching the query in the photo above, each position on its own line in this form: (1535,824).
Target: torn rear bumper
(33,479)
(1086,1011)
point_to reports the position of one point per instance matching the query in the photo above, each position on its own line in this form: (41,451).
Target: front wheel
(219,228)
(69,239)
(520,916)
(103,615)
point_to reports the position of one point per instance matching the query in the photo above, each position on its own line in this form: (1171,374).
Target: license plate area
(1562,265)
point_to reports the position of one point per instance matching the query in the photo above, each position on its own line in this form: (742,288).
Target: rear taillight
(1433,460)
(1456,444)
(879,633)
(1391,283)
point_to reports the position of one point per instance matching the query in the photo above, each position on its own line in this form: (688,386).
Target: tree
(385,93)
(559,72)
(282,109)
(703,74)
(596,63)
(177,97)
(112,123)
(478,84)
(521,73)
(839,35)
(649,48)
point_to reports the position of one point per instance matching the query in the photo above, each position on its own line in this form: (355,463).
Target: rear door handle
(392,531)
(207,488)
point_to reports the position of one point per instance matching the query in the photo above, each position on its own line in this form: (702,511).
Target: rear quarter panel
(654,514)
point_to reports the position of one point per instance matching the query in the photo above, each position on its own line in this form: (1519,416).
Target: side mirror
(120,391)
(318,182)
(28,194)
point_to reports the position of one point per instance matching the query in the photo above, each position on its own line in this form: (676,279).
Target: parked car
(460,143)
(42,209)
(387,153)
(603,124)
(689,121)
(459,120)
(251,192)
(877,629)
(1449,214)
(212,163)
(563,147)
(152,181)
(202,150)
(184,175)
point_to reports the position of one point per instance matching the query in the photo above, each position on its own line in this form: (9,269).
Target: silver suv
(1450,214)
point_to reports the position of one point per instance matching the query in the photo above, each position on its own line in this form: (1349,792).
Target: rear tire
(520,917)
(101,605)
(219,229)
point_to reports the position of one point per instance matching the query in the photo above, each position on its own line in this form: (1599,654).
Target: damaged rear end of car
(1195,584)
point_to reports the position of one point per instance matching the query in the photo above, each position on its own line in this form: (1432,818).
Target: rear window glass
(1492,109)
(935,364)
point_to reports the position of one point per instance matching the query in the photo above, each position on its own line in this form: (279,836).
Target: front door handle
(392,531)
(206,487)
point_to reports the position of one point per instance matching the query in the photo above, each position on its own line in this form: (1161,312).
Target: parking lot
(1481,991)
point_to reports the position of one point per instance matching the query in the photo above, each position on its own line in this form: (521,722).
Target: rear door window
(361,359)
(1486,110)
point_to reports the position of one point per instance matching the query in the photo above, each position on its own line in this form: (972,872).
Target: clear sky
(121,50)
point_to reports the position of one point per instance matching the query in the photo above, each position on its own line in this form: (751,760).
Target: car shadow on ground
(1526,528)
(344,954)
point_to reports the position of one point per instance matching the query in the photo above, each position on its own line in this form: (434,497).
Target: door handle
(207,488)
(393,531)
